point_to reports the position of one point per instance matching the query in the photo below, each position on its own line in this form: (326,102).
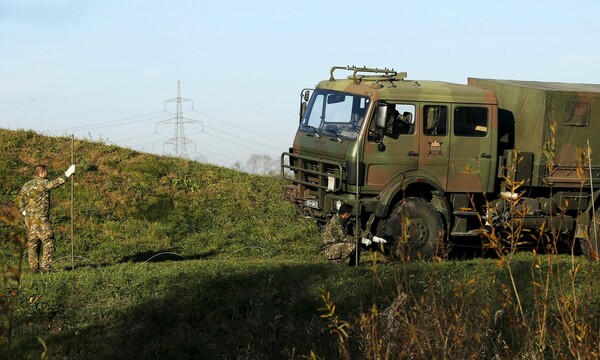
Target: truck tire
(590,246)
(414,230)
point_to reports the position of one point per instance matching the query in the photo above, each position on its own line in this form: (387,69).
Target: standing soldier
(338,241)
(34,203)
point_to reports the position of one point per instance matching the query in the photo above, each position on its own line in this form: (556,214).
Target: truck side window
(400,121)
(436,120)
(470,121)
(405,123)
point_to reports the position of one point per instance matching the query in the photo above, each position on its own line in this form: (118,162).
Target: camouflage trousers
(339,251)
(40,243)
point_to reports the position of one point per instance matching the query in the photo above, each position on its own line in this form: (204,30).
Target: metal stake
(72,205)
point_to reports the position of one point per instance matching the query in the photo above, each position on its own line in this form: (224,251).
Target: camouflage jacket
(335,232)
(34,196)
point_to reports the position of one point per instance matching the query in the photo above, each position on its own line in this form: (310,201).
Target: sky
(105,70)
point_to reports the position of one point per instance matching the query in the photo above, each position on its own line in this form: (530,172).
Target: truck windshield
(335,114)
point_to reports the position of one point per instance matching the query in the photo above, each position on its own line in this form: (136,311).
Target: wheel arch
(414,186)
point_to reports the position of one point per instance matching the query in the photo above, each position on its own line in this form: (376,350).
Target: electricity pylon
(178,140)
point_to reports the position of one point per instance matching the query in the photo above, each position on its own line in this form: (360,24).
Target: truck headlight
(312,203)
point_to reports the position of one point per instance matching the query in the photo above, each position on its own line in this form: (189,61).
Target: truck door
(471,156)
(392,151)
(434,143)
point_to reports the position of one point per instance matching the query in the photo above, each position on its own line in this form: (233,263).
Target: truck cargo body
(552,121)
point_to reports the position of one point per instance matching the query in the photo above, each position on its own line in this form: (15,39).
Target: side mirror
(302,111)
(304,96)
(380,122)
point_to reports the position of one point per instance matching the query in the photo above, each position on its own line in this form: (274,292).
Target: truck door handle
(486,155)
(413,153)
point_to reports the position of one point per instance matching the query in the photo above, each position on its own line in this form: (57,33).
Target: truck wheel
(590,247)
(415,229)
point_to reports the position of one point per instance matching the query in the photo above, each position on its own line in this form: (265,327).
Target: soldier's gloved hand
(70,171)
(377,239)
(24,212)
(366,241)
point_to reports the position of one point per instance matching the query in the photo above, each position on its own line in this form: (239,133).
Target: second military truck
(427,163)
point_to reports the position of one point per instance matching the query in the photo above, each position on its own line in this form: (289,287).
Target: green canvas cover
(553,121)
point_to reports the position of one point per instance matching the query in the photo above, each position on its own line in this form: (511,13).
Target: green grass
(176,259)
(261,307)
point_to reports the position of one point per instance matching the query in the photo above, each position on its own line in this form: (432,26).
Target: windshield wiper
(315,130)
(336,133)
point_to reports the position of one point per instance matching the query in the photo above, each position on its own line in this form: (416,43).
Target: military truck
(426,164)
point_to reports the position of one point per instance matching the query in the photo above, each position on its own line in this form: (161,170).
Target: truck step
(464,213)
(468,233)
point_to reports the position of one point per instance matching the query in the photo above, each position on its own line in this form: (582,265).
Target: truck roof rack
(389,74)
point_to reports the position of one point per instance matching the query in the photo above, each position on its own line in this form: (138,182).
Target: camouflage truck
(426,164)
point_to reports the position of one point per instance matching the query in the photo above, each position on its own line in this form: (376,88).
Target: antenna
(178,140)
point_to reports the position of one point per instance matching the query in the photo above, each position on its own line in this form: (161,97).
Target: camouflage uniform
(34,199)
(338,244)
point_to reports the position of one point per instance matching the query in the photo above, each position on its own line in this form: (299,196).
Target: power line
(150,143)
(179,139)
(237,127)
(214,153)
(138,137)
(124,121)
(238,137)
(216,160)
(52,98)
(245,147)
(138,146)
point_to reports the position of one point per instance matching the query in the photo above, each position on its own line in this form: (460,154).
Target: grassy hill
(177,259)
(127,203)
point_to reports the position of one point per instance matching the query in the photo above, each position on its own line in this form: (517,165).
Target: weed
(11,275)
(336,325)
